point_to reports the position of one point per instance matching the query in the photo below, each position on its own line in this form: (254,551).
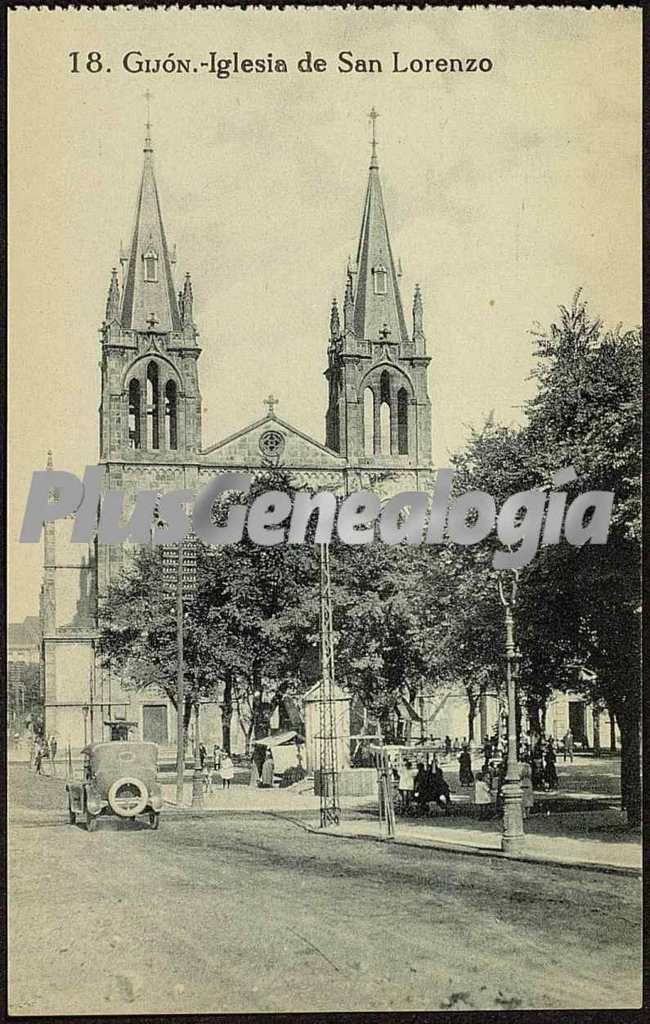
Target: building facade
(377,436)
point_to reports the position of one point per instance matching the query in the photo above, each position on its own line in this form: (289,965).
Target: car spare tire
(127,796)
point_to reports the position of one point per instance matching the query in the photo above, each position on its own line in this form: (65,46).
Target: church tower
(150,405)
(379,412)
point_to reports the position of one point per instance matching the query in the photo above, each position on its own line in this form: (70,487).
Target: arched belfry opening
(171,416)
(153,406)
(368,421)
(402,422)
(135,412)
(384,414)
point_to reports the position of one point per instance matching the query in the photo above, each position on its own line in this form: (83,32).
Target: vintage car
(119,778)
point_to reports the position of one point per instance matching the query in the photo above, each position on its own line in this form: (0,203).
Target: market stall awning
(281,737)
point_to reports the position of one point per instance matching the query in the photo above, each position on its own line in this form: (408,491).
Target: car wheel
(91,822)
(72,817)
(154,820)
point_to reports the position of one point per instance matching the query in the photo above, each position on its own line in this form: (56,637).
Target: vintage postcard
(324,446)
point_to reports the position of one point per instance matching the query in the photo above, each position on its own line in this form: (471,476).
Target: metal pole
(180,687)
(197,777)
(92,710)
(513,838)
(329,803)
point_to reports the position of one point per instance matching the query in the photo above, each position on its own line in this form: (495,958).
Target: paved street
(250,912)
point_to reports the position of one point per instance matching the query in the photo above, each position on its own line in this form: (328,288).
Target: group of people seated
(422,787)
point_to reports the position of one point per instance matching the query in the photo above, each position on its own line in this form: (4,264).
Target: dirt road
(249,912)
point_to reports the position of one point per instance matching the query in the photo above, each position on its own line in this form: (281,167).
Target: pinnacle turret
(113,300)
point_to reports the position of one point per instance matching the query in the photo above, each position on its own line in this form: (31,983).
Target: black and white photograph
(324,411)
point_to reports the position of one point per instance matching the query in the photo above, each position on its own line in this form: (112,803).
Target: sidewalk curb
(430,844)
(484,851)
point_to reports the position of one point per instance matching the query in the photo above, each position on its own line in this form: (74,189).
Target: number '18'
(93,61)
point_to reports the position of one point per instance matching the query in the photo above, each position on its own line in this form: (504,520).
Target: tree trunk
(596,717)
(536,716)
(629,723)
(187,718)
(226,713)
(472,704)
(612,730)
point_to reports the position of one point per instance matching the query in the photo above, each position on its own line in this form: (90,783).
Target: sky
(505,192)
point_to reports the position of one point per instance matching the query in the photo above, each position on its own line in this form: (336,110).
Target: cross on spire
(148,97)
(373,115)
(385,332)
(270,402)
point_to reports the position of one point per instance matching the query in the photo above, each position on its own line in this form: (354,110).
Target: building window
(153,429)
(368,421)
(380,278)
(150,265)
(171,423)
(384,413)
(402,422)
(135,437)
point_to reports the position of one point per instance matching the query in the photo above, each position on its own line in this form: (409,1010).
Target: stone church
(377,435)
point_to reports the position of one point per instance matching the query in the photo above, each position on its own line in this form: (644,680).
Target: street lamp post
(513,838)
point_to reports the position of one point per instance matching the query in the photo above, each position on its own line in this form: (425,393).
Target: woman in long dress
(527,798)
(227,771)
(465,763)
(267,770)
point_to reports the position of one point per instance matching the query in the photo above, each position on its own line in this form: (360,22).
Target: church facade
(377,435)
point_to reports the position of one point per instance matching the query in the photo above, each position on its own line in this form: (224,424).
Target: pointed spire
(149,284)
(113,301)
(187,302)
(335,323)
(377,299)
(418,329)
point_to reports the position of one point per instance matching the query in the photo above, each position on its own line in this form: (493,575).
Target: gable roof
(271,421)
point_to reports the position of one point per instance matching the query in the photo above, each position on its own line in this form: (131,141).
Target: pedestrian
(203,753)
(226,770)
(527,799)
(268,770)
(208,775)
(482,795)
(406,785)
(537,762)
(550,771)
(466,776)
(448,745)
(440,792)
(216,755)
(420,787)
(487,750)
(53,749)
(38,759)
(567,745)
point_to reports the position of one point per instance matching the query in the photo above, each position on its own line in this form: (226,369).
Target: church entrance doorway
(154,723)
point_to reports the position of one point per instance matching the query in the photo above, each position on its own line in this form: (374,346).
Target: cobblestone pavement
(245,913)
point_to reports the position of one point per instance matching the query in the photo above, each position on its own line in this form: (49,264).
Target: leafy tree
(587,413)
